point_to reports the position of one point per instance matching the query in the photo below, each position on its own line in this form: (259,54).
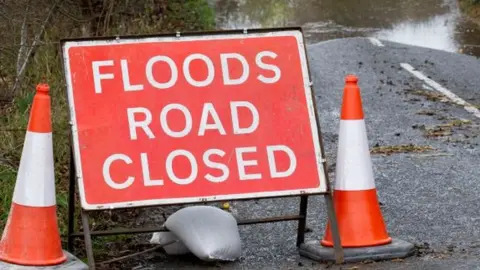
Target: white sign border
(171,201)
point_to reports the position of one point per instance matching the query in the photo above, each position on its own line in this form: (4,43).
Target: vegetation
(471,8)
(30,53)
(445,129)
(404,148)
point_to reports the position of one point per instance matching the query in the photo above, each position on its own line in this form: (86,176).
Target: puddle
(428,23)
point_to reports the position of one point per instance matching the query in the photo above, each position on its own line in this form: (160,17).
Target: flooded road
(428,23)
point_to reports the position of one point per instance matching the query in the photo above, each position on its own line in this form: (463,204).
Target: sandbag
(208,232)
(177,248)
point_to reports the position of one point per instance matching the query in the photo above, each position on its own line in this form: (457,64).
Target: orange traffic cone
(363,234)
(31,236)
(360,220)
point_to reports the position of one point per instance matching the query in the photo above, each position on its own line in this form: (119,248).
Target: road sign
(168,120)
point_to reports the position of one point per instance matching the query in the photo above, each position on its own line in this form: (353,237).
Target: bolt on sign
(207,117)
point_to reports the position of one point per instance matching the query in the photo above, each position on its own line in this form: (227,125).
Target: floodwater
(428,23)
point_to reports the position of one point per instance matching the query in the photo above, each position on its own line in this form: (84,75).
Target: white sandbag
(208,232)
(177,248)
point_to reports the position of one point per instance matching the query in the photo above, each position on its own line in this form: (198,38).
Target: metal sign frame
(171,41)
(303,194)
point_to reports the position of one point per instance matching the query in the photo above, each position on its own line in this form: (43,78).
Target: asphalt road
(429,198)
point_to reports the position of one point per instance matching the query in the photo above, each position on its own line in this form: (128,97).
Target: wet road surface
(430,23)
(430,198)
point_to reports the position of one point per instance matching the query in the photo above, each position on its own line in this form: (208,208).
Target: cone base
(360,221)
(375,243)
(34,263)
(31,237)
(72,263)
(397,249)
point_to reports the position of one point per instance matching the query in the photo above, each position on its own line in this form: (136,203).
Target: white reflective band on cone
(354,166)
(35,184)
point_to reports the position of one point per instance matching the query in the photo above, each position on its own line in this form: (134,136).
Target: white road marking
(454,98)
(426,86)
(376,42)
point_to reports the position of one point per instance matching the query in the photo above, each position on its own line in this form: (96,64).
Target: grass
(15,121)
(404,148)
(444,130)
(471,8)
(46,66)
(429,95)
(7,175)
(426,112)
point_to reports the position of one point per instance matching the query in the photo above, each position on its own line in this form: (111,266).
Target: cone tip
(43,88)
(351,79)
(352,108)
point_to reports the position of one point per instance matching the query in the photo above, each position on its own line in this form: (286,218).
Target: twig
(4,50)
(33,46)
(138,253)
(8,164)
(12,130)
(2,77)
(108,16)
(23,42)
(5,16)
(433,155)
(7,47)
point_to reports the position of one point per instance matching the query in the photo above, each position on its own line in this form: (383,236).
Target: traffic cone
(31,236)
(362,230)
(360,220)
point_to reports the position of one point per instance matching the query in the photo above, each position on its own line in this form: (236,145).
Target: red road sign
(163,120)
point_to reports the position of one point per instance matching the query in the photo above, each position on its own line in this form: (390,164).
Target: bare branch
(33,46)
(23,42)
(139,253)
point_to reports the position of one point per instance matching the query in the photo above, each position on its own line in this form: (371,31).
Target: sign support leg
(302,222)
(339,256)
(71,203)
(88,240)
